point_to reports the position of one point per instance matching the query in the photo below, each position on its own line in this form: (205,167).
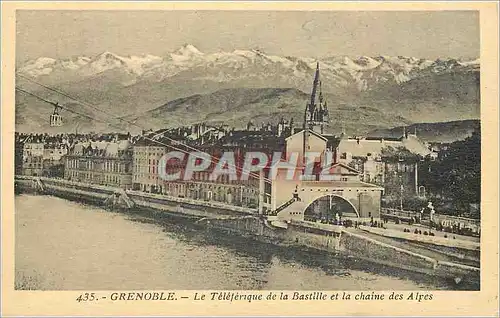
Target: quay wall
(296,234)
(246,226)
(463,272)
(63,192)
(183,206)
(385,254)
(464,254)
(340,240)
(97,194)
(435,240)
(382,253)
(458,249)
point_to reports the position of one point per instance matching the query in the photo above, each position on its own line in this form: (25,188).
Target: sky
(64,34)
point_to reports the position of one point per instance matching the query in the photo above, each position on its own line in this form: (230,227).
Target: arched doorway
(329,208)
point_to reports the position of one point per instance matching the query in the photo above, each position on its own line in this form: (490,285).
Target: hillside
(434,132)
(236,107)
(440,97)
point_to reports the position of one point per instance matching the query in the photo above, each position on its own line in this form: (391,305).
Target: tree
(456,176)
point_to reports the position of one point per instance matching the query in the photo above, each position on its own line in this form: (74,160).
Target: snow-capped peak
(367,62)
(38,67)
(241,65)
(42,61)
(470,62)
(133,64)
(103,62)
(139,64)
(107,56)
(186,53)
(188,50)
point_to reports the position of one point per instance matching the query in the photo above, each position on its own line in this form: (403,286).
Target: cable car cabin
(56,118)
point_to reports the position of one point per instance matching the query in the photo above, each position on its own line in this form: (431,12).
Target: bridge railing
(450,219)
(397,212)
(446,220)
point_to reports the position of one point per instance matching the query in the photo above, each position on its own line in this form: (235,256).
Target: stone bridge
(318,199)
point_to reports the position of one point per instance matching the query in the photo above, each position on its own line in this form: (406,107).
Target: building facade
(148,151)
(39,155)
(389,162)
(106,163)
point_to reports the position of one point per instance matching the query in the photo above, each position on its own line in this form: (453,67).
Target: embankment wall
(341,240)
(370,249)
(96,194)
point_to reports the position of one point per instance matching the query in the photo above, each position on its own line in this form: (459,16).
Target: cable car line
(70,97)
(62,107)
(104,112)
(90,117)
(133,124)
(159,142)
(41,98)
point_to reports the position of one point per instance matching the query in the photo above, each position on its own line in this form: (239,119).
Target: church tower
(316,115)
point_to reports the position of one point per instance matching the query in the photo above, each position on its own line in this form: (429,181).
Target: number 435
(86,297)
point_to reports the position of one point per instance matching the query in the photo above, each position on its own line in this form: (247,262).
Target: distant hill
(442,97)
(434,132)
(235,107)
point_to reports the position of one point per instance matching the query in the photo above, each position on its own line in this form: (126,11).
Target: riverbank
(99,195)
(79,246)
(247,223)
(349,242)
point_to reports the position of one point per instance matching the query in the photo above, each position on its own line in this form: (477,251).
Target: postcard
(249,158)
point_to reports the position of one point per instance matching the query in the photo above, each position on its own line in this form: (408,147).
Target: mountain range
(187,86)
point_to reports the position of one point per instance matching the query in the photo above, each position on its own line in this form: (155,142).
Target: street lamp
(401,194)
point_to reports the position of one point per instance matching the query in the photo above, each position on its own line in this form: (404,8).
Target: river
(64,245)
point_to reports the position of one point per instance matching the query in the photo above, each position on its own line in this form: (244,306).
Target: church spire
(316,83)
(320,94)
(316,113)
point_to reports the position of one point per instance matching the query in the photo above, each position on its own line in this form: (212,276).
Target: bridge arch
(327,206)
